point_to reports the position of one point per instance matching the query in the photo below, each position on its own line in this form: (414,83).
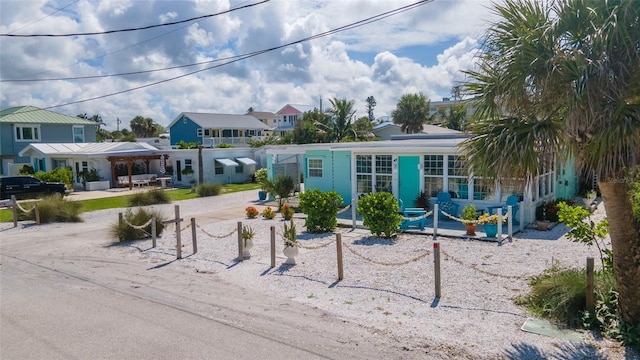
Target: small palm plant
(289,235)
(247,234)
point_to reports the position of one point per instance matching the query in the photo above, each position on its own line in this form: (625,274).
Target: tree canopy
(562,77)
(411,112)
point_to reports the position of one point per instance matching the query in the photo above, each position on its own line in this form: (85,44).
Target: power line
(138,28)
(42,18)
(237,58)
(103,56)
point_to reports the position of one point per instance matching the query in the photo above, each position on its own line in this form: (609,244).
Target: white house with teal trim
(407,165)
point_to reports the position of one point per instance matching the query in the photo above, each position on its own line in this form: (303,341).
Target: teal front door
(408,179)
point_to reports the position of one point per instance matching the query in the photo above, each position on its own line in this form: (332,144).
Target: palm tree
(411,112)
(564,78)
(340,126)
(454,117)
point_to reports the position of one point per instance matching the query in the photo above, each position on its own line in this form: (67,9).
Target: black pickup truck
(29,187)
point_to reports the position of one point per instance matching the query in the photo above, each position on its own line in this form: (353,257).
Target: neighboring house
(211,130)
(111,159)
(405,166)
(288,116)
(386,130)
(220,166)
(267,118)
(24,125)
(114,159)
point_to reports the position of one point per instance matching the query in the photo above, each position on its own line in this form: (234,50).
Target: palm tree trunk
(625,241)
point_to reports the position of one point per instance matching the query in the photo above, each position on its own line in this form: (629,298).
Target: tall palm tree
(564,78)
(342,113)
(411,112)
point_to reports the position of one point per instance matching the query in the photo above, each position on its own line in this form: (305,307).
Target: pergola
(129,160)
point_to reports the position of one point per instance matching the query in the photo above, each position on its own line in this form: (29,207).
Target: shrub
(282,187)
(321,209)
(251,212)
(287,212)
(549,210)
(560,295)
(262,178)
(63,175)
(124,232)
(380,213)
(151,197)
(422,200)
(268,213)
(53,208)
(204,190)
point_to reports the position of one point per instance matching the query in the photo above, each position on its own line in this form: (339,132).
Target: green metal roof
(34,115)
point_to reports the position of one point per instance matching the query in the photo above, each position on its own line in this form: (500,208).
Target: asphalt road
(64,295)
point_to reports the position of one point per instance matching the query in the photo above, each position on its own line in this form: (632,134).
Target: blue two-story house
(211,130)
(23,125)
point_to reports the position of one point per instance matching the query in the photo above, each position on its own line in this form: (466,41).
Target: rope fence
(475,267)
(426,253)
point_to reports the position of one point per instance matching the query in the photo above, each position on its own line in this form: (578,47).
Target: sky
(421,50)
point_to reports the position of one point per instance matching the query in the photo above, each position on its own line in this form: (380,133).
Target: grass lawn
(123,201)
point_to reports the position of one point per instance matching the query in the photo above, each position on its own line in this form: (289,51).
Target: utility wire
(100,57)
(138,28)
(237,58)
(42,18)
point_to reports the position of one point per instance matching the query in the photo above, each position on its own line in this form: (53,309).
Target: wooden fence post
(14,210)
(590,296)
(178,231)
(153,231)
(193,235)
(240,242)
(37,213)
(120,219)
(436,267)
(273,246)
(339,253)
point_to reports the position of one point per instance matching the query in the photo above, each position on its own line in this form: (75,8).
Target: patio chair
(512,201)
(445,204)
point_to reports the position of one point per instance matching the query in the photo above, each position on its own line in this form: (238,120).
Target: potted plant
(290,243)
(542,219)
(247,237)
(422,200)
(187,172)
(589,198)
(469,218)
(490,224)
(262,178)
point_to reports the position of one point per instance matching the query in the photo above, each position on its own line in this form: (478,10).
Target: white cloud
(298,74)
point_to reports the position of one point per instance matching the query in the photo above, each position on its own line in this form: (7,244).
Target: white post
(436,212)
(353,213)
(500,227)
(510,223)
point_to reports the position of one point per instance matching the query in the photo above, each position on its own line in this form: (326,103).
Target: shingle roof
(263,115)
(219,121)
(34,115)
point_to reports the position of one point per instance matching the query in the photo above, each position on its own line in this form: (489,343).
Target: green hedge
(321,209)
(380,213)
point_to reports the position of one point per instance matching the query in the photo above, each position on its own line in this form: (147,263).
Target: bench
(139,180)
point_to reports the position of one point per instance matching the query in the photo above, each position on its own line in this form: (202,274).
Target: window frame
(73,133)
(315,169)
(18,133)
